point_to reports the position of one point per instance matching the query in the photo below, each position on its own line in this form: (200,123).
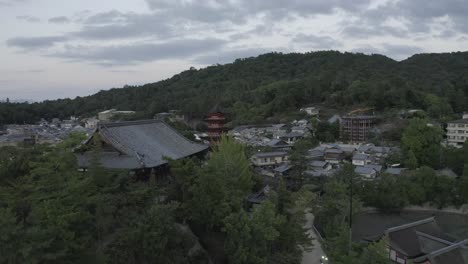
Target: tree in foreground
(221,185)
(423,141)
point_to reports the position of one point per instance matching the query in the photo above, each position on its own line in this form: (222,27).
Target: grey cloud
(316,42)
(31,19)
(7,3)
(59,20)
(117,25)
(432,8)
(107,17)
(395,51)
(140,52)
(398,51)
(35,42)
(124,71)
(239,11)
(170,18)
(27,71)
(256,31)
(366,31)
(448,33)
(416,16)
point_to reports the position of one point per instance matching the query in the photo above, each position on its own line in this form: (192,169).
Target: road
(316,252)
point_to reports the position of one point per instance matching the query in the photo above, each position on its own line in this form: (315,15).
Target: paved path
(316,252)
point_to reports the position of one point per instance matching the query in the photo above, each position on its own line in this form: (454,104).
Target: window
(400,260)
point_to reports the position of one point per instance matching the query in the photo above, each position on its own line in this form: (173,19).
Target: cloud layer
(214,31)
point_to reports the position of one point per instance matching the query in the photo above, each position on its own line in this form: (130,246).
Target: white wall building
(457,131)
(312,111)
(269,158)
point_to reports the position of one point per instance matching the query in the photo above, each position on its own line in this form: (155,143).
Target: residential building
(269,158)
(333,155)
(67,124)
(317,168)
(334,119)
(312,111)
(138,145)
(316,154)
(376,167)
(457,131)
(282,170)
(321,165)
(356,128)
(292,137)
(361,159)
(279,144)
(258,197)
(91,123)
(107,115)
(366,172)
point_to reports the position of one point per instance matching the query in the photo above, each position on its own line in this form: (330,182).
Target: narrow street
(316,252)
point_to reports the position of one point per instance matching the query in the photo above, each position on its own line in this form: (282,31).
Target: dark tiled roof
(364,170)
(360,156)
(283,168)
(315,153)
(360,117)
(141,144)
(334,150)
(318,163)
(260,196)
(277,143)
(293,135)
(456,253)
(459,121)
(405,238)
(376,167)
(270,154)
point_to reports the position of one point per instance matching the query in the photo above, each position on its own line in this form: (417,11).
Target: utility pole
(351,180)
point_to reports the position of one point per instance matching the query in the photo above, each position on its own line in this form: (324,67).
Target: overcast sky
(55,48)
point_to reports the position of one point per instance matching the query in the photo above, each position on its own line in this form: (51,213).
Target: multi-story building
(356,128)
(270,158)
(215,123)
(457,131)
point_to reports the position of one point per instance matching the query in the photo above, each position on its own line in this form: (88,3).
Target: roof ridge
(434,238)
(448,248)
(128,123)
(405,226)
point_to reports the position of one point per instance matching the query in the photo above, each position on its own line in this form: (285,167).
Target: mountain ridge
(259,87)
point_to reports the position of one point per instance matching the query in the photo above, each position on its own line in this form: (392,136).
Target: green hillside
(274,84)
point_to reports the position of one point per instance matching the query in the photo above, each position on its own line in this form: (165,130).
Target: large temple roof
(140,144)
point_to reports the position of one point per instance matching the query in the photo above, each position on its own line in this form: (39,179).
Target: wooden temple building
(215,122)
(139,146)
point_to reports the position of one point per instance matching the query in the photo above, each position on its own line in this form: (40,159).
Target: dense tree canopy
(421,144)
(274,84)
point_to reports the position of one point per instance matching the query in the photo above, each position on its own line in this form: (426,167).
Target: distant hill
(276,84)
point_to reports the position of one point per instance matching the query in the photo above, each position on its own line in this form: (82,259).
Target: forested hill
(253,89)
